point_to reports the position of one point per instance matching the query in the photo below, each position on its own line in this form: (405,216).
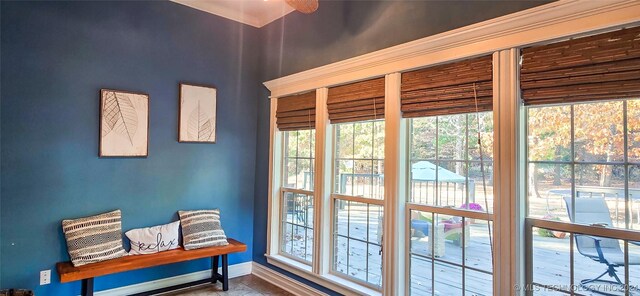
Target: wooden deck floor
(359,258)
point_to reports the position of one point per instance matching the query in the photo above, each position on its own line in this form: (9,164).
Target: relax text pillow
(202,229)
(94,239)
(153,239)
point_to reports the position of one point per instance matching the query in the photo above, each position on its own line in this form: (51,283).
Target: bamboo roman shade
(296,112)
(604,66)
(448,89)
(356,101)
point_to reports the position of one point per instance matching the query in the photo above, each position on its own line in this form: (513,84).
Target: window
(357,199)
(296,202)
(561,185)
(449,228)
(584,169)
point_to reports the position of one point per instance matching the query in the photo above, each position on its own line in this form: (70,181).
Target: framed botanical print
(124,124)
(197,114)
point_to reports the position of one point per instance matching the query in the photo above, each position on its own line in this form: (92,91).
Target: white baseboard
(284,282)
(235,270)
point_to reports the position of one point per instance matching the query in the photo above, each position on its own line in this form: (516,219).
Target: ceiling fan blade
(304,6)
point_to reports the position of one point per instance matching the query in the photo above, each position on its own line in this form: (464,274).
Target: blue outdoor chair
(604,250)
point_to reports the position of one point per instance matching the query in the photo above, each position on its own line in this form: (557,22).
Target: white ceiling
(256,13)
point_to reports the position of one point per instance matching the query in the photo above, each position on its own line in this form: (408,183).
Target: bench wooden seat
(86,273)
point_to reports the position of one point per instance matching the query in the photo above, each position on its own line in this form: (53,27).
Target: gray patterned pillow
(94,239)
(201,229)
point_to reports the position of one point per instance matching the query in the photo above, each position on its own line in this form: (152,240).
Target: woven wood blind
(604,66)
(296,112)
(448,89)
(356,101)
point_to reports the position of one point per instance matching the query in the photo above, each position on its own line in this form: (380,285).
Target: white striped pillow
(95,238)
(201,229)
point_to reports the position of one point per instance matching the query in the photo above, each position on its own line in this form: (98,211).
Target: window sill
(329,281)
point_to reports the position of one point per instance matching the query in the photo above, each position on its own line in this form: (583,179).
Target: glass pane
(634,267)
(358,259)
(551,260)
(449,233)
(358,220)
(363,144)
(420,231)
(586,267)
(288,211)
(634,196)
(378,140)
(309,245)
(486,136)
(423,138)
(605,183)
(375,224)
(633,130)
(549,133)
(451,181)
(378,179)
(448,279)
(297,224)
(341,226)
(344,177)
(291,146)
(344,140)
(599,133)
(305,174)
(451,137)
(421,276)
(290,173)
(423,182)
(299,242)
(305,140)
(360,225)
(286,243)
(308,210)
(340,254)
(479,200)
(374,264)
(363,178)
(478,251)
(549,185)
(478,283)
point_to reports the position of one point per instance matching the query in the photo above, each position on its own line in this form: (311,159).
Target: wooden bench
(86,273)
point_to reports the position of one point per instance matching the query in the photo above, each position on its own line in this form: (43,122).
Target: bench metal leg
(225,273)
(214,269)
(87,287)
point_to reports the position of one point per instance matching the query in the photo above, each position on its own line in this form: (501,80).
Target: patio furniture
(422,227)
(600,249)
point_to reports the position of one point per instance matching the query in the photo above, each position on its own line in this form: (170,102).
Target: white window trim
(501,36)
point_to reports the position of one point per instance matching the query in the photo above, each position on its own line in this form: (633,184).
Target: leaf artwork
(200,125)
(119,116)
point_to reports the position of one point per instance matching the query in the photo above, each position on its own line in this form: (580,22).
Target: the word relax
(158,246)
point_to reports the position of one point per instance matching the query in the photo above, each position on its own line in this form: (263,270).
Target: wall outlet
(45,277)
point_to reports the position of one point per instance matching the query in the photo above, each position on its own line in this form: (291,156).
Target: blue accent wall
(55,58)
(340,30)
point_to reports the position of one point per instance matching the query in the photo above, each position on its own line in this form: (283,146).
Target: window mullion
(395,152)
(275,182)
(322,187)
(508,214)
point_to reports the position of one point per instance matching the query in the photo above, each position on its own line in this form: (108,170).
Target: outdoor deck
(359,258)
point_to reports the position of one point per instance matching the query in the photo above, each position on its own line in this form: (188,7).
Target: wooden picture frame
(197,107)
(124,124)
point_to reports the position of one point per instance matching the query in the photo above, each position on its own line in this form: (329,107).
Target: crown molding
(215,8)
(551,21)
